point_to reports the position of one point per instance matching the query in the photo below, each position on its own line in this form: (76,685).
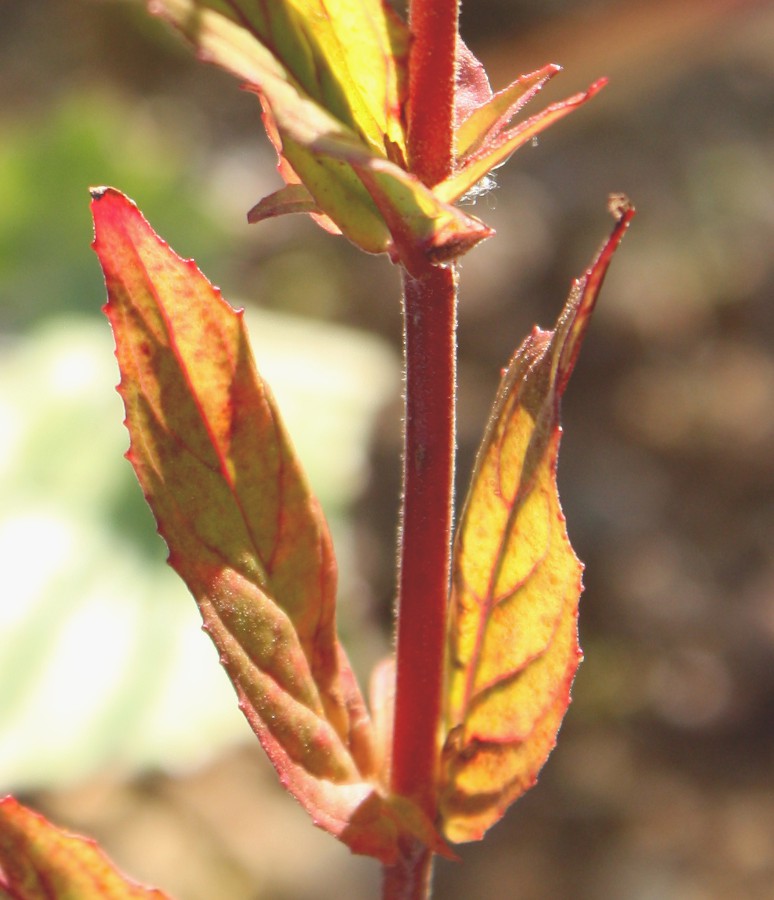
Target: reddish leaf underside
(513,645)
(243,529)
(39,861)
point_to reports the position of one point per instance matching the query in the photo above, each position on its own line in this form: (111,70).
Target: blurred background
(115,719)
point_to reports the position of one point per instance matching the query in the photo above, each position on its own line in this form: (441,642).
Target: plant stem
(428,471)
(410,878)
(430,320)
(432,71)
(423,581)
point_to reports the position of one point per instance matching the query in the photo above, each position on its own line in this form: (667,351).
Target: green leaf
(331,76)
(348,56)
(39,861)
(243,529)
(513,646)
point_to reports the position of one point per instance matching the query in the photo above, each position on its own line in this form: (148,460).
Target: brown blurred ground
(661,785)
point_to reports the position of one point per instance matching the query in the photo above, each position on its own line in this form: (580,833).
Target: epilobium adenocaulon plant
(380,128)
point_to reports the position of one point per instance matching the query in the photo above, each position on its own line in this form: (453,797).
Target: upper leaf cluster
(332,77)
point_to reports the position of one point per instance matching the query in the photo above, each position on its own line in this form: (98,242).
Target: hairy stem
(428,470)
(430,320)
(432,70)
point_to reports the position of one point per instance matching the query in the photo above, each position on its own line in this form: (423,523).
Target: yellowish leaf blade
(375,203)
(356,182)
(421,227)
(39,861)
(513,647)
(347,55)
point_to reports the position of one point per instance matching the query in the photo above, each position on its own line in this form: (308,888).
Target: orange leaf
(513,646)
(39,861)
(243,529)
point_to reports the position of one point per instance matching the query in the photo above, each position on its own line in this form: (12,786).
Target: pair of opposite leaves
(229,496)
(251,542)
(216,466)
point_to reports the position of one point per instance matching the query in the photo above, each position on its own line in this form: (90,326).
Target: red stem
(430,319)
(424,565)
(432,70)
(423,581)
(410,877)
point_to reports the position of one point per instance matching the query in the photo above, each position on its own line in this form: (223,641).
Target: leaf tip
(451,243)
(620,206)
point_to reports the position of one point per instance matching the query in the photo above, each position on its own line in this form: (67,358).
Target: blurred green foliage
(47,163)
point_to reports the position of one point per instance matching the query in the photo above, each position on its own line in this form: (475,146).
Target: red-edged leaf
(487,120)
(489,144)
(242,527)
(513,647)
(330,77)
(39,861)
(472,89)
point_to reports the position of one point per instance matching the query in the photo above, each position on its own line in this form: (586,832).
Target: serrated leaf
(39,861)
(332,79)
(513,647)
(243,529)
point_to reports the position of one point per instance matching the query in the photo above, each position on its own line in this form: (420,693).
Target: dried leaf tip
(618,205)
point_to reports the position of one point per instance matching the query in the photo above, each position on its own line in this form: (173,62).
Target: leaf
(488,118)
(39,861)
(330,75)
(289,199)
(484,142)
(332,79)
(243,529)
(471,89)
(348,56)
(513,647)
